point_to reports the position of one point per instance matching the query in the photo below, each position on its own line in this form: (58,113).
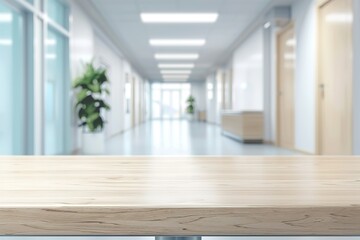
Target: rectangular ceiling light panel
(176,72)
(179,17)
(176,66)
(175,56)
(175,80)
(176,76)
(177,42)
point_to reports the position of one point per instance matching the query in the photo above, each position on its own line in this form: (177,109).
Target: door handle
(322,90)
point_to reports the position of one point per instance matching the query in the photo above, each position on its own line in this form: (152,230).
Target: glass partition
(11,81)
(57,10)
(55,92)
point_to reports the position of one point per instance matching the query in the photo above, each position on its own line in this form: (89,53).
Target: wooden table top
(180,196)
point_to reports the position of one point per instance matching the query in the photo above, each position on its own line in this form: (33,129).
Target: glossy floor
(173,137)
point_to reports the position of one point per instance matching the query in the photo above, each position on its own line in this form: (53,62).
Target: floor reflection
(176,137)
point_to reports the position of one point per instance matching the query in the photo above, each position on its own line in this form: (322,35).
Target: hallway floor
(176,137)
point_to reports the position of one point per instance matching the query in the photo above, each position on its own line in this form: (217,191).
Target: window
(35,109)
(169,100)
(11,81)
(58,12)
(55,92)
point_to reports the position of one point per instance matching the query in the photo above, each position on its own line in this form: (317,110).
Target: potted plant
(190,109)
(91,106)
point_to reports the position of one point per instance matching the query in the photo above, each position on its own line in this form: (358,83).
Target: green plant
(90,88)
(190,109)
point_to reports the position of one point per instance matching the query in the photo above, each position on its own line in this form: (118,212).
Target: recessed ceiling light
(177,42)
(340,18)
(176,76)
(176,71)
(165,65)
(175,80)
(175,56)
(179,17)
(6,17)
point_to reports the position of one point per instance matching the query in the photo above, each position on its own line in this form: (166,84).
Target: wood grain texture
(180,196)
(247,126)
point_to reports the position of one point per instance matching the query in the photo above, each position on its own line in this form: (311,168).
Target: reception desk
(179,196)
(245,126)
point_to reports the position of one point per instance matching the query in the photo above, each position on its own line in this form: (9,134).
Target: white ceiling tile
(123,16)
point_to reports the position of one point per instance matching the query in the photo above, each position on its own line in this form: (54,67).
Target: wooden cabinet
(244,126)
(202,116)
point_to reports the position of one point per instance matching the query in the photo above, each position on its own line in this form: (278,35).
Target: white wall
(305,18)
(81,51)
(147,101)
(127,73)
(81,40)
(211,101)
(270,83)
(138,98)
(87,42)
(198,91)
(106,55)
(248,85)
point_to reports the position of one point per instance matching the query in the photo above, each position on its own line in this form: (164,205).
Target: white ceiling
(123,16)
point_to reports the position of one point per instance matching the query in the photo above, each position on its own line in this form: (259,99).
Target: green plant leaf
(95,88)
(85,102)
(89,103)
(82,124)
(98,123)
(102,77)
(191,105)
(91,109)
(82,113)
(82,95)
(91,122)
(102,104)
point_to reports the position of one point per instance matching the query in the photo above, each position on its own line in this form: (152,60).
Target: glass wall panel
(12,137)
(55,93)
(58,12)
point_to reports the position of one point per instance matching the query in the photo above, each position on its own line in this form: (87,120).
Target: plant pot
(93,143)
(190,117)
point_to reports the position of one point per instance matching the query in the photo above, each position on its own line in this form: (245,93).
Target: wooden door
(286,72)
(335,80)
